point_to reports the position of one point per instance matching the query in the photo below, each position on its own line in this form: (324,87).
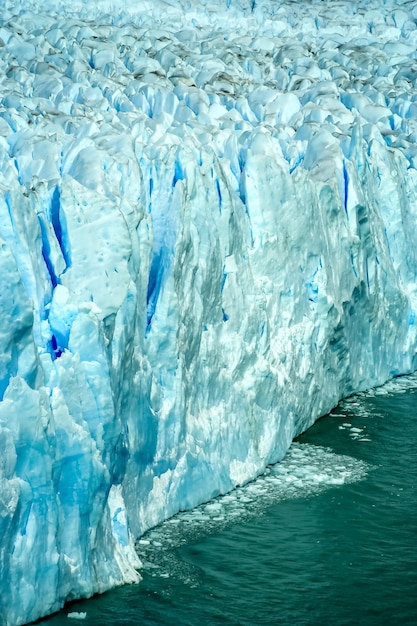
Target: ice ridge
(208,228)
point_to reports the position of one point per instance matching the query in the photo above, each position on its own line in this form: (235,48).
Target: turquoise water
(340,550)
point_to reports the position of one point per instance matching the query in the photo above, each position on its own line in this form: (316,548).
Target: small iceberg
(77,615)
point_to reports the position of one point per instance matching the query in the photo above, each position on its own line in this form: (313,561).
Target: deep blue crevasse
(46,252)
(154,284)
(59,225)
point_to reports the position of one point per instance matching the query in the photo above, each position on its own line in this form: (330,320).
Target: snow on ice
(208,228)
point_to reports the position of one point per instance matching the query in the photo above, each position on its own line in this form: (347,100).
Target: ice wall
(208,228)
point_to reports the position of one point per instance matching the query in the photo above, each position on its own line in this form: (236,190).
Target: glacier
(208,229)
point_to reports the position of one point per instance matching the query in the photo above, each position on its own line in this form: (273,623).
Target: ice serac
(208,229)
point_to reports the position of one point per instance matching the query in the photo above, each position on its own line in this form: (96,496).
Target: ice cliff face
(208,228)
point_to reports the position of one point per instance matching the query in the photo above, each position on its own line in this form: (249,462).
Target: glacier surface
(208,229)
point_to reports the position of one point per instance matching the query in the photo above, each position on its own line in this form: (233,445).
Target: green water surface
(344,556)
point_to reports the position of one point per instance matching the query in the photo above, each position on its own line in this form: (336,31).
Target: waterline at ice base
(208,229)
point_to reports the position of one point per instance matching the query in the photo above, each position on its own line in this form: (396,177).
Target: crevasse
(208,228)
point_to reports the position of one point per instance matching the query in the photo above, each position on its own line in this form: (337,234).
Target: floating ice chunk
(77,615)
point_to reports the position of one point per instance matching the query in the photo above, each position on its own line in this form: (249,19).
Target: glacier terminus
(208,237)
